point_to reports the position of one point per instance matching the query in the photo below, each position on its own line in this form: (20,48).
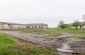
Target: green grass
(11,46)
(5,41)
(58,31)
(27,50)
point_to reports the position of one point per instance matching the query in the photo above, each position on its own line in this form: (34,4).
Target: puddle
(72,46)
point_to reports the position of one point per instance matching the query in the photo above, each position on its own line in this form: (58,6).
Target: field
(12,46)
(56,31)
(59,31)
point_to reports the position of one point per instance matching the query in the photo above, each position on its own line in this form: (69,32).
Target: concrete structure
(6,25)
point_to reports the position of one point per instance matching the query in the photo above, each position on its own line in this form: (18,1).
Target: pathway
(41,39)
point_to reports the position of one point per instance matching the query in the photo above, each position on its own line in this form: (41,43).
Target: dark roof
(36,24)
(33,24)
(82,23)
(9,23)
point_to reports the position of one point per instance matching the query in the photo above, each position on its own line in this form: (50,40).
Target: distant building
(36,25)
(82,25)
(6,25)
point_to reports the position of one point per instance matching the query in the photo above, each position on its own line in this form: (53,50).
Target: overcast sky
(41,11)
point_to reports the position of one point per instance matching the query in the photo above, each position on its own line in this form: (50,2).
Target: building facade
(36,25)
(81,25)
(6,25)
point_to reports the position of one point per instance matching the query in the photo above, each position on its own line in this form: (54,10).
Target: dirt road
(40,39)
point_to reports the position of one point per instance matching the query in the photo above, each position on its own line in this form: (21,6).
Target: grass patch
(6,40)
(11,46)
(57,31)
(27,49)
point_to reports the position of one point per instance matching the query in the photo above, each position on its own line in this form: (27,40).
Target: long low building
(6,25)
(81,25)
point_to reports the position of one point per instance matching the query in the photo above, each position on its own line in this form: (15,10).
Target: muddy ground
(41,39)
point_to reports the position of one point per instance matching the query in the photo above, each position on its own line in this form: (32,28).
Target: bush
(62,25)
